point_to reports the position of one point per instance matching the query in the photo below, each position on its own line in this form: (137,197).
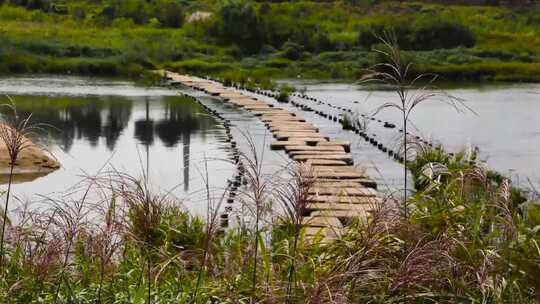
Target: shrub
(507,71)
(169,13)
(420,34)
(198,66)
(283,96)
(442,34)
(19,63)
(347,122)
(292,50)
(238,23)
(284,93)
(277,63)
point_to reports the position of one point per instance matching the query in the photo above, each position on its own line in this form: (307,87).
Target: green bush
(169,13)
(284,93)
(196,66)
(238,23)
(503,71)
(320,39)
(420,34)
(292,50)
(14,63)
(277,63)
(441,34)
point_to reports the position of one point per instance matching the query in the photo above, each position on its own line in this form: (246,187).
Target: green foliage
(238,23)
(468,239)
(320,39)
(421,34)
(422,168)
(198,66)
(169,13)
(503,71)
(292,50)
(284,93)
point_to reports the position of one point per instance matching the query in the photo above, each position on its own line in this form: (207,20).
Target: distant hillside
(254,39)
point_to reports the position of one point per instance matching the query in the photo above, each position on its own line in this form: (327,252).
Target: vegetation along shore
(243,40)
(464,235)
(318,229)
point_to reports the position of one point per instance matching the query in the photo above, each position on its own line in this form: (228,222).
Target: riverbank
(488,43)
(137,245)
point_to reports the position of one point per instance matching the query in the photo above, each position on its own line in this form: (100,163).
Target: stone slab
(314,148)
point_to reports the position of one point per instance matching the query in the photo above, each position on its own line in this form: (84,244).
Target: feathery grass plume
(211,226)
(14,133)
(257,195)
(364,257)
(293,198)
(106,240)
(397,75)
(145,211)
(34,254)
(70,217)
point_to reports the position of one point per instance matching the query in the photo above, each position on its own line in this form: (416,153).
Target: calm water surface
(106,125)
(102,124)
(504,126)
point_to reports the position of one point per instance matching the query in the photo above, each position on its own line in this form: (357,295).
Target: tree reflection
(182,118)
(117,120)
(144,128)
(71,118)
(105,118)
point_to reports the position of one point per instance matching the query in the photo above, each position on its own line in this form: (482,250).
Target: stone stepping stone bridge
(340,192)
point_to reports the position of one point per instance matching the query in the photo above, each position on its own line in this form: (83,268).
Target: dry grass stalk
(13,133)
(396,74)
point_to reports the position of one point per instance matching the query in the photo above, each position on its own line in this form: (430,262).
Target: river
(94,126)
(98,125)
(502,121)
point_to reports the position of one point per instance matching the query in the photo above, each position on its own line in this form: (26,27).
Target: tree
(169,13)
(292,50)
(239,24)
(425,33)
(136,10)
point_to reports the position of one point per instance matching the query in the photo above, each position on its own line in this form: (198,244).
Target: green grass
(467,227)
(325,35)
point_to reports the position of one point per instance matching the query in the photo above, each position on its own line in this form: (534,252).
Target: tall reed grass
(14,133)
(470,238)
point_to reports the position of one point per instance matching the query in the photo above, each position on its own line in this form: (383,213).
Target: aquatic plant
(347,123)
(283,96)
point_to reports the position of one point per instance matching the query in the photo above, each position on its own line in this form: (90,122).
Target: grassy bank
(464,234)
(268,39)
(469,238)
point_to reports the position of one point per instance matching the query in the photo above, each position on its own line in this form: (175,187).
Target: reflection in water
(185,155)
(73,118)
(104,125)
(172,119)
(116,121)
(180,119)
(144,128)
(92,118)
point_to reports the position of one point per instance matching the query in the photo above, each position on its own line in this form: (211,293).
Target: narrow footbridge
(340,192)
